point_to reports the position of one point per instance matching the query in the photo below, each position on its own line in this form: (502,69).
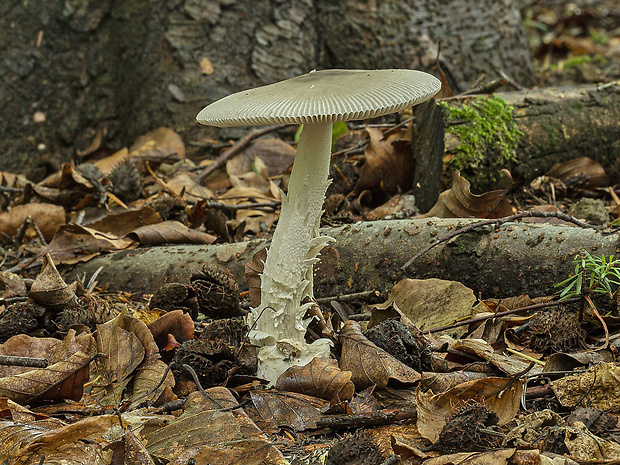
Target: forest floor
(430,372)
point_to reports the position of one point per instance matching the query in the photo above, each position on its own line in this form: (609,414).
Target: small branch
(242,206)
(356,296)
(235,149)
(498,222)
(501,314)
(15,361)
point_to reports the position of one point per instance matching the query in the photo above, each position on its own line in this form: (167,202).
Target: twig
(364,296)
(600,318)
(505,313)
(242,206)
(15,361)
(498,222)
(235,149)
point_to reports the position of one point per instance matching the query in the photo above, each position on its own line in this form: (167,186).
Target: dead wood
(513,259)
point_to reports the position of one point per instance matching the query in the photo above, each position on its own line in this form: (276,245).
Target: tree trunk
(100,73)
(517,258)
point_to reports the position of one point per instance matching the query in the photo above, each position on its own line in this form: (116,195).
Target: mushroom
(316,100)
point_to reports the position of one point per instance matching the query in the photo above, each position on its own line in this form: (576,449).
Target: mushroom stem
(287,276)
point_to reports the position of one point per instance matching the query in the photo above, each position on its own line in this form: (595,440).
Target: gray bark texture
(515,259)
(114,69)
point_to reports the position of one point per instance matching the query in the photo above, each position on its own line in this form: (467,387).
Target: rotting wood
(514,259)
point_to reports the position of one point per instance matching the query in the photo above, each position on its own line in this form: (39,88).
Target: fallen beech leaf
(368,363)
(50,290)
(204,434)
(419,300)
(501,395)
(389,163)
(582,171)
(170,232)
(123,223)
(78,443)
(178,324)
(159,143)
(320,378)
(253,271)
(107,164)
(192,191)
(297,411)
(276,155)
(48,218)
(73,244)
(62,380)
(596,388)
(460,202)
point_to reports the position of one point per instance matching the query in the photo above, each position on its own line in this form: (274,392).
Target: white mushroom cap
(322,97)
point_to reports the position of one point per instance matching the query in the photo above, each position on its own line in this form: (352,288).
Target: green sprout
(593,275)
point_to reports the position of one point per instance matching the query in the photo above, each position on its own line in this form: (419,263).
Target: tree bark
(557,124)
(515,259)
(107,71)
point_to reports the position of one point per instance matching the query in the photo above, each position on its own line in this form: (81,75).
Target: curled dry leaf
(389,163)
(460,202)
(582,171)
(48,218)
(192,191)
(178,324)
(206,434)
(123,223)
(50,290)
(299,411)
(430,303)
(277,156)
(61,380)
(596,388)
(501,395)
(170,232)
(368,363)
(160,143)
(252,276)
(73,244)
(319,378)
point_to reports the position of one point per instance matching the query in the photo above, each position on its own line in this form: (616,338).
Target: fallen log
(553,124)
(513,259)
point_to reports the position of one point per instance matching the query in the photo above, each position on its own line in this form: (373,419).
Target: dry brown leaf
(582,171)
(62,380)
(431,303)
(389,163)
(22,345)
(159,143)
(506,364)
(121,224)
(73,244)
(501,395)
(107,164)
(297,411)
(496,457)
(276,155)
(253,271)
(368,363)
(460,202)
(135,451)
(120,353)
(176,323)
(205,434)
(596,388)
(79,442)
(13,285)
(170,232)
(50,290)
(48,218)
(192,191)
(320,378)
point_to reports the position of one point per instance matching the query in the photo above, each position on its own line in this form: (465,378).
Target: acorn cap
(322,97)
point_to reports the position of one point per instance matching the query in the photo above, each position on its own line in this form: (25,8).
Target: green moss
(487,134)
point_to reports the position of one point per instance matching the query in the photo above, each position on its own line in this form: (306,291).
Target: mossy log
(516,258)
(551,125)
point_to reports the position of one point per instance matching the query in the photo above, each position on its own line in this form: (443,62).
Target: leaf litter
(433,374)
